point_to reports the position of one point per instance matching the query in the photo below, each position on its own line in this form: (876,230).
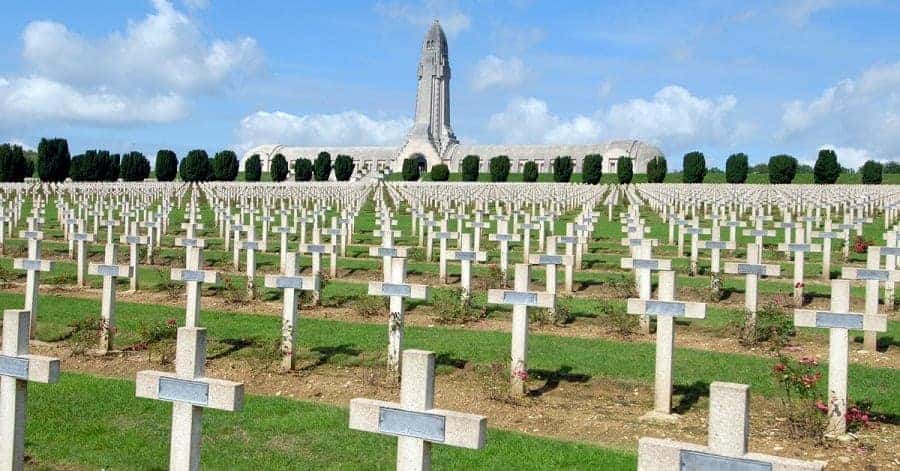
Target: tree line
(52,162)
(781,169)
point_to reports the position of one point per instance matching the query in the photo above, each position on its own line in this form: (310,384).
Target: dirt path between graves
(593,410)
(587,328)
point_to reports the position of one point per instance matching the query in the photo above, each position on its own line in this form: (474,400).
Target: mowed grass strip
(547,353)
(86,422)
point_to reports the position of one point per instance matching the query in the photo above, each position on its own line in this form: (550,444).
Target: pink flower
(821,406)
(780,368)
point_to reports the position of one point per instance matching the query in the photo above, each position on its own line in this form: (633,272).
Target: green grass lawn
(86,422)
(627,361)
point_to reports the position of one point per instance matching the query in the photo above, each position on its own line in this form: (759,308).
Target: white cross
(33,265)
(396,290)
(729,432)
(81,238)
(826,235)
(290,283)
(109,271)
(752,270)
(643,265)
(665,310)
(188,388)
(799,249)
(443,235)
(414,421)
(466,256)
(839,320)
(520,298)
(133,240)
(872,275)
(503,238)
(17,369)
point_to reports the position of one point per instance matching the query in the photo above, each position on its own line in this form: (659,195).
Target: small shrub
(796,385)
(773,325)
(470,168)
(158,338)
(562,169)
(84,334)
(530,172)
(495,381)
(370,306)
(499,167)
(861,245)
(558,316)
(450,308)
(493,278)
(715,292)
(232,292)
(622,286)
(619,322)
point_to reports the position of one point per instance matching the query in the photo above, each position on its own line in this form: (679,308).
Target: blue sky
(756,77)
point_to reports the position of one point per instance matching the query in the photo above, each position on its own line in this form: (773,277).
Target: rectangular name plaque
(880,275)
(567,240)
(190,243)
(192,275)
(80,237)
(635,242)
(715,244)
(289,282)
(33,265)
(839,320)
(664,308)
(503,237)
(465,256)
(699,461)
(108,270)
(798,247)
(249,245)
(550,260)
(182,390)
(645,264)
(403,423)
(389,289)
(387,252)
(30,234)
(520,298)
(13,367)
(316,248)
(890,251)
(750,269)
(756,233)
(132,240)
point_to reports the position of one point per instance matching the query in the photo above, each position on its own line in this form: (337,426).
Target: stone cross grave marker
(695,231)
(466,256)
(550,260)
(396,290)
(643,265)
(290,283)
(729,432)
(839,320)
(414,421)
(110,272)
(503,238)
(873,276)
(752,270)
(251,245)
(283,232)
(799,250)
(443,235)
(826,235)
(81,239)
(520,298)
(17,369)
(33,266)
(666,309)
(188,388)
(133,240)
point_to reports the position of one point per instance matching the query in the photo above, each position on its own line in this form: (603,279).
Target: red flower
(821,406)
(780,368)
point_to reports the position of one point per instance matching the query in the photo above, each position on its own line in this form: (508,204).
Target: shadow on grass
(690,395)
(326,354)
(553,378)
(232,345)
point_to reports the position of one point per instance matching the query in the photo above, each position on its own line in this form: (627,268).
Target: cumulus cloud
(863,112)
(39,99)
(347,128)
(673,117)
(850,157)
(421,15)
(494,72)
(145,74)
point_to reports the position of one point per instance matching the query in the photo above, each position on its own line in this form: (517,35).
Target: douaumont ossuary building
(432,140)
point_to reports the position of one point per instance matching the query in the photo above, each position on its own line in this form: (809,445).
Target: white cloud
(347,128)
(673,117)
(864,112)
(38,99)
(493,71)
(849,157)
(421,15)
(18,142)
(146,74)
(164,51)
(798,12)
